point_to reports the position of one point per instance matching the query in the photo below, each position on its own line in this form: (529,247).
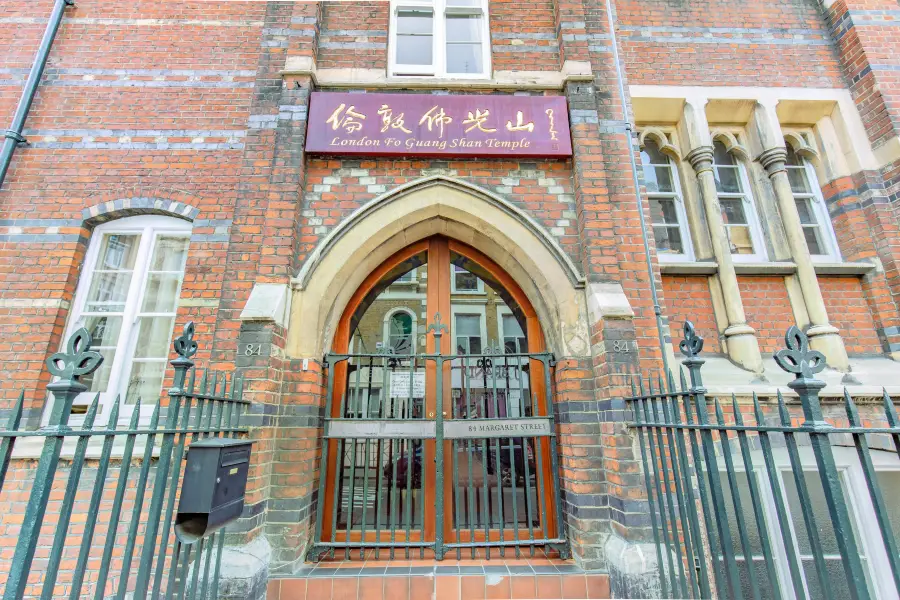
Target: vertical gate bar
(394,444)
(379,490)
(803,363)
(355,409)
(659,479)
(70,366)
(182,573)
(512,459)
(891,414)
(210,550)
(439,452)
(93,508)
(65,512)
(176,554)
(554,460)
(678,471)
(410,459)
(228,423)
(708,520)
(173,484)
(339,465)
(329,397)
(470,489)
(422,495)
(637,408)
(139,493)
(7,443)
(454,461)
(808,517)
(117,501)
(865,461)
(486,504)
(539,452)
(181,366)
(725,441)
(197,562)
(780,504)
(497,452)
(362,550)
(756,500)
(698,392)
(528,505)
(678,499)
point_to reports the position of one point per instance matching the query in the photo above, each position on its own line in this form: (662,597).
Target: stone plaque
(362,428)
(400,384)
(496,428)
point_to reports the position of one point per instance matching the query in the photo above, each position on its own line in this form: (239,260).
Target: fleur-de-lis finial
(798,358)
(436,326)
(185,346)
(78,360)
(692,344)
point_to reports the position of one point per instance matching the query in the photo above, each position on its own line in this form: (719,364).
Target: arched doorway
(439,431)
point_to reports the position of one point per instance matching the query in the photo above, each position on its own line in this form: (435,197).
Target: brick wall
(849,312)
(768,310)
(688,299)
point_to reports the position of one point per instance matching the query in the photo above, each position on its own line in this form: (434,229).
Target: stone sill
(378,78)
(850,269)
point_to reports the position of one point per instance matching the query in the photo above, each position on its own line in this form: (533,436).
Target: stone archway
(438,206)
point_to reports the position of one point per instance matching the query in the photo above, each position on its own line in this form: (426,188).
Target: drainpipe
(629,131)
(13,135)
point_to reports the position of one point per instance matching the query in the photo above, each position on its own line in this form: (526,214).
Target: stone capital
(701,158)
(773,160)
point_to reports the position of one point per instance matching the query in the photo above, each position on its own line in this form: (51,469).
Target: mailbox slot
(212,491)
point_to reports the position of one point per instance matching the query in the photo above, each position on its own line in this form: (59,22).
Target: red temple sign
(427,125)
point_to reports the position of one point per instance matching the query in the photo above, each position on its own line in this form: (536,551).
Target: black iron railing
(133,516)
(765,498)
(393,447)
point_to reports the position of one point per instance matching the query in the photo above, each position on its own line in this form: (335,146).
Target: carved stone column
(823,336)
(743,347)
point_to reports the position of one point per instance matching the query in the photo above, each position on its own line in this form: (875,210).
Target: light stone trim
(438,206)
(34,303)
(268,302)
(378,78)
(346,226)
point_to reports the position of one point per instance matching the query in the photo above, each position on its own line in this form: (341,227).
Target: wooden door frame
(438,249)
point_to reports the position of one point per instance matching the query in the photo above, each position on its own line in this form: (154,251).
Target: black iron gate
(116,508)
(768,497)
(403,471)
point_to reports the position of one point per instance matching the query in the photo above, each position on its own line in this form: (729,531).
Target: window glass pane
(663,210)
(721,156)
(837,580)
(650,177)
(464,2)
(414,21)
(799,181)
(805,210)
(153,337)
(145,382)
(733,211)
(664,179)
(511,327)
(170,253)
(468,325)
(464,58)
(161,293)
(889,481)
(813,241)
(728,180)
(112,273)
(464,28)
(740,239)
(792,159)
(651,155)
(668,240)
(414,50)
(464,280)
(105,330)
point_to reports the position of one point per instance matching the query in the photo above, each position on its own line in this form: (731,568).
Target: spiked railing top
(78,360)
(692,344)
(437,326)
(185,346)
(798,358)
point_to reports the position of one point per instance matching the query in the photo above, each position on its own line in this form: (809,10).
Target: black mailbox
(212,492)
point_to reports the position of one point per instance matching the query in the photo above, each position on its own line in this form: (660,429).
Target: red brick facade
(198,110)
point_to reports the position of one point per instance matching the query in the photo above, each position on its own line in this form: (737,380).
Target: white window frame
(149,227)
(820,211)
(387,326)
(504,311)
(859,505)
(756,233)
(453,290)
(680,212)
(438,68)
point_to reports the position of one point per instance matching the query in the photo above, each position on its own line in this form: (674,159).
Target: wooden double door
(439,343)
